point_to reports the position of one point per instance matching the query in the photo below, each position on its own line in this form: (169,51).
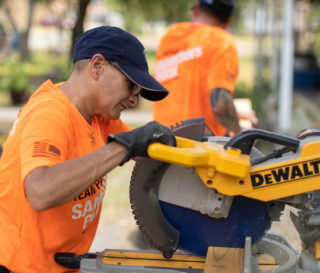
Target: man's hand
(138,140)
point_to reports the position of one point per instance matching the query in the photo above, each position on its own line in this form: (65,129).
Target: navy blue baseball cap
(121,47)
(223,7)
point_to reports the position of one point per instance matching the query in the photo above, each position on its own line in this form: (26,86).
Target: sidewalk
(8,114)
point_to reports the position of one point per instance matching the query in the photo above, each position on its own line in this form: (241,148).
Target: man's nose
(134,100)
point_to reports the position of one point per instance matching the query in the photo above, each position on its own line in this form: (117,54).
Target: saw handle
(245,140)
(186,153)
(72,260)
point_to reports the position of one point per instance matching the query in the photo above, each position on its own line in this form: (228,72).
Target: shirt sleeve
(223,69)
(45,139)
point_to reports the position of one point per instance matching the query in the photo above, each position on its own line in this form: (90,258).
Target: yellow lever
(187,153)
(208,155)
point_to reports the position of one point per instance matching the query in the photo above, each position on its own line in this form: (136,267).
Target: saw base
(270,254)
(127,261)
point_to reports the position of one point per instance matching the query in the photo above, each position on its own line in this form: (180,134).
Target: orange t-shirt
(48,130)
(192,60)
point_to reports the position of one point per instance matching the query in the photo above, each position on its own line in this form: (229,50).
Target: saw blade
(247,217)
(144,188)
(169,227)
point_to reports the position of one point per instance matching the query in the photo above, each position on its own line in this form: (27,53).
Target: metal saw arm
(229,171)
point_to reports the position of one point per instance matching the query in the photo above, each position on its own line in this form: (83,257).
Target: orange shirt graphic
(191,61)
(48,130)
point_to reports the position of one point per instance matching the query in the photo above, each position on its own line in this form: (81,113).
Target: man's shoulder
(215,38)
(213,33)
(47,100)
(200,32)
(178,29)
(48,93)
(180,25)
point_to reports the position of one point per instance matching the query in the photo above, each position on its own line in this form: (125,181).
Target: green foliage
(240,11)
(137,11)
(16,79)
(314,24)
(258,94)
(29,74)
(44,63)
(151,58)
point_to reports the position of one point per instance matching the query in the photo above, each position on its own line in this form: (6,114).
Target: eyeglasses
(133,88)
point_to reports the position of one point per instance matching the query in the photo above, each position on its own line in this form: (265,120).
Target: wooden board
(224,260)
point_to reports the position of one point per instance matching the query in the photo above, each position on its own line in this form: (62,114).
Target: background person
(198,62)
(63,143)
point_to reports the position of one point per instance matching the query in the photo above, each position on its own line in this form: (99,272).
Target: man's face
(116,92)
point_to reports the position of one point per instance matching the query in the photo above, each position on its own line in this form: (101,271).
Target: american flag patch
(42,149)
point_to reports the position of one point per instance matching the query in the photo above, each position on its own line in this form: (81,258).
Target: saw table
(270,255)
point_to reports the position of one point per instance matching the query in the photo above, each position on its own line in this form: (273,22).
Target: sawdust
(286,228)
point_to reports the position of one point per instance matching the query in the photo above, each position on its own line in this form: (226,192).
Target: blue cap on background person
(121,47)
(221,7)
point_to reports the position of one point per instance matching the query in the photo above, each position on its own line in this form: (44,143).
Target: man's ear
(97,65)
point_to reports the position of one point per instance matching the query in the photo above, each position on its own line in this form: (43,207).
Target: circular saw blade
(169,227)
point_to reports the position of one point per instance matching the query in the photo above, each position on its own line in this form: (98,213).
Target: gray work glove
(138,140)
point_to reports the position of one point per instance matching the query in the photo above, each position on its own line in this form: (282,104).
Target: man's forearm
(47,187)
(224,109)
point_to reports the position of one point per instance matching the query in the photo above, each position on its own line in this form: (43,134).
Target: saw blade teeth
(147,232)
(134,207)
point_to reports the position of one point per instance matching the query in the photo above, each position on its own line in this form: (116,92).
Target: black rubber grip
(72,260)
(245,140)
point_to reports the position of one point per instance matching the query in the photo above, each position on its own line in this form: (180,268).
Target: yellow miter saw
(224,193)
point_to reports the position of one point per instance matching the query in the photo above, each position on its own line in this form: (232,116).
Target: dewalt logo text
(285,174)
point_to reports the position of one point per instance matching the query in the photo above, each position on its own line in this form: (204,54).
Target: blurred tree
(151,11)
(22,34)
(137,11)
(240,11)
(78,27)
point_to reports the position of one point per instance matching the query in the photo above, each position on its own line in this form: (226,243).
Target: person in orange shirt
(197,61)
(63,143)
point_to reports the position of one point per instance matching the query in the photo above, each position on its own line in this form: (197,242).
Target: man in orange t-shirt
(197,61)
(63,143)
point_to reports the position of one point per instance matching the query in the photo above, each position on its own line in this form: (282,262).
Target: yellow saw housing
(230,172)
